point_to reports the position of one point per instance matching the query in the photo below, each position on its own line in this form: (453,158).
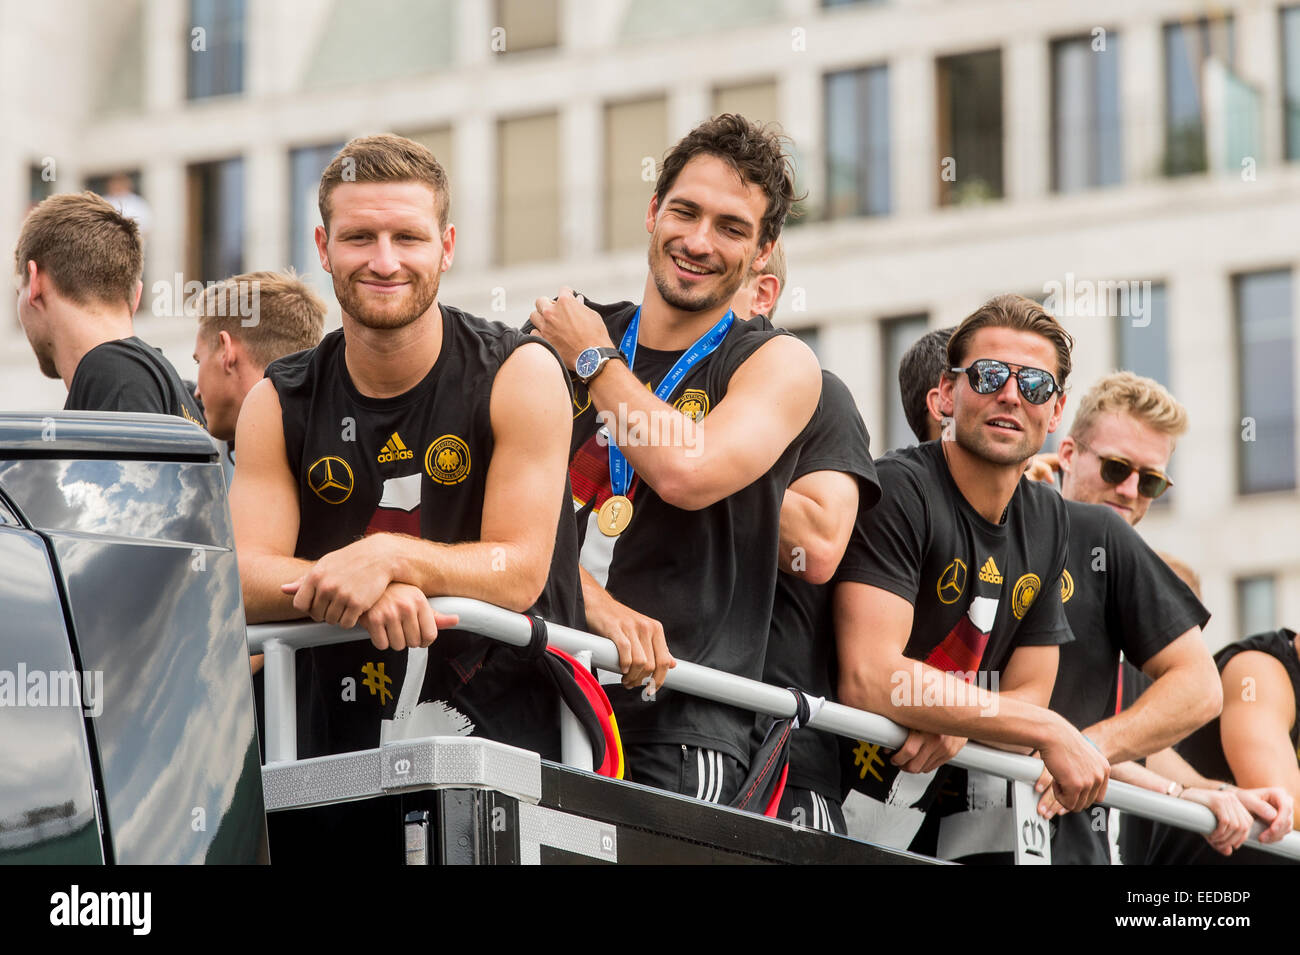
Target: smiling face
(704,235)
(384,251)
(1002,428)
(1113,435)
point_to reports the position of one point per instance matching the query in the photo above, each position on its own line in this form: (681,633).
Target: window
(1187,48)
(216,48)
(1256,605)
(970,127)
(898,334)
(636,136)
(305,168)
(528,24)
(857,143)
(1265,382)
(1085,113)
(755,101)
(215,210)
(1291,79)
(1142,335)
(528,210)
(40,181)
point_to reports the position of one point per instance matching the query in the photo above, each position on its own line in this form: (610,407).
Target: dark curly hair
(757,154)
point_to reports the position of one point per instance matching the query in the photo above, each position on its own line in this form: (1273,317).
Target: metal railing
(278,641)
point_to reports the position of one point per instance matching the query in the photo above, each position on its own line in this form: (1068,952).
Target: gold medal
(614,516)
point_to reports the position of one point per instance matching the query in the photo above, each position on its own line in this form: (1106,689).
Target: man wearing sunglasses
(952,579)
(1119,596)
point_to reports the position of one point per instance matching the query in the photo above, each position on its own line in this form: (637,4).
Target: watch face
(588,361)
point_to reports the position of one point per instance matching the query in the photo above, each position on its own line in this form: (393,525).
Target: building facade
(1136,163)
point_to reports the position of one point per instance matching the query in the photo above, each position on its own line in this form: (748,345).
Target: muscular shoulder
(295,372)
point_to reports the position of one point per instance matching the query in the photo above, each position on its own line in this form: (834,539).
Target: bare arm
(1184,697)
(817,517)
(508,566)
(872,627)
(769,400)
(642,646)
(1258,713)
(264,509)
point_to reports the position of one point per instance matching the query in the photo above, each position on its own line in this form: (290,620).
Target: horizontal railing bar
(513,628)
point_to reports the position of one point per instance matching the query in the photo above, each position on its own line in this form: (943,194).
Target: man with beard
(947,607)
(78,262)
(678,486)
(1118,596)
(418,451)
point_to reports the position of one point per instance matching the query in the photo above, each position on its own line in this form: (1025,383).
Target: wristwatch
(592,360)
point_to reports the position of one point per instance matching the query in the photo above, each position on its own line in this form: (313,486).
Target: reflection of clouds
(172,647)
(150,499)
(169,638)
(43,756)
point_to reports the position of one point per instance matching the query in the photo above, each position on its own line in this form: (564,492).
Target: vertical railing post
(281,702)
(1033,837)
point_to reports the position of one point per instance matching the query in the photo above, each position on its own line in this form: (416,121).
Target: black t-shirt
(129,375)
(978,590)
(414,464)
(801,645)
(1203,750)
(1120,597)
(708,575)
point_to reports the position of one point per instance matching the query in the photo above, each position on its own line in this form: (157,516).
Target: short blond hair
(385,158)
(90,251)
(1126,393)
(290,316)
(775,266)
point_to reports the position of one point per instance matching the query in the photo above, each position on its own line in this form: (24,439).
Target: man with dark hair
(419,451)
(678,490)
(949,590)
(918,381)
(232,350)
(1111,583)
(78,262)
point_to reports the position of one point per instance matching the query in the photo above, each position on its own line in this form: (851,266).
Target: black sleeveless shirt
(414,464)
(708,576)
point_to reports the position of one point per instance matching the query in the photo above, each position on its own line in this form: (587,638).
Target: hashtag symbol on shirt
(864,756)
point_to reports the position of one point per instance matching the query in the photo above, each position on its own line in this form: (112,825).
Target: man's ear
(767,289)
(1055,421)
(764,253)
(1066,452)
(448,246)
(322,237)
(651,214)
(933,405)
(35,283)
(135,299)
(947,392)
(229,351)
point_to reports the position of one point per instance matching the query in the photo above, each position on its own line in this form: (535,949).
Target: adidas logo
(395,450)
(989,573)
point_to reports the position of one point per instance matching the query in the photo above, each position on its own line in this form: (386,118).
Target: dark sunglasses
(1151,483)
(988,375)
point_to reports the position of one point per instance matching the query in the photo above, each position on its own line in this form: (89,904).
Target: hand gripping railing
(278,641)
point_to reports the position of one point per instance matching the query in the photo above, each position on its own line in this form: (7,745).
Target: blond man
(232,348)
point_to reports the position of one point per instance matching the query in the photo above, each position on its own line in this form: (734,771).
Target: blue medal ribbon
(620,472)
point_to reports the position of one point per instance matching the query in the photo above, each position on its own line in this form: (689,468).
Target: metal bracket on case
(450,762)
